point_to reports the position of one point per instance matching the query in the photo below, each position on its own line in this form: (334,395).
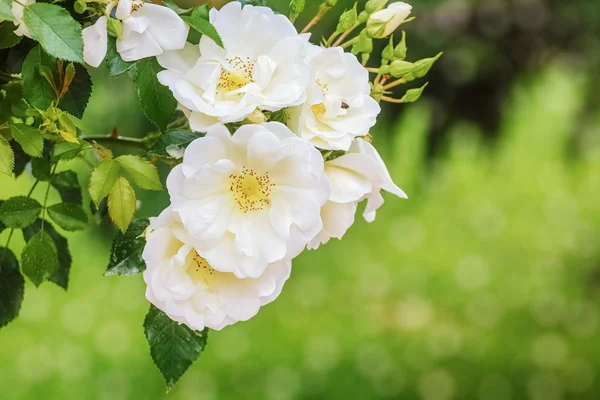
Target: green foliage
(126,251)
(143,172)
(173,346)
(67,185)
(65,151)
(40,169)
(39,258)
(6,10)
(69,216)
(171,144)
(7,37)
(11,287)
(102,180)
(156,99)
(57,32)
(36,90)
(115,64)
(199,21)
(121,204)
(19,211)
(29,138)
(7,157)
(171,4)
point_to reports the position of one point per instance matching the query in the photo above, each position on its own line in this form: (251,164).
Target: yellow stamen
(250,190)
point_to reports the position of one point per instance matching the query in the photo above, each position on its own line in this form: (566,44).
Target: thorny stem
(344,36)
(322,11)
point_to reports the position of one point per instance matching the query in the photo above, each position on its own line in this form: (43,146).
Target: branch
(323,8)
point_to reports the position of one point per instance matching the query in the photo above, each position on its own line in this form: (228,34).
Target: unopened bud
(363,17)
(375,5)
(114,28)
(364,44)
(348,20)
(296,8)
(401,49)
(399,68)
(388,52)
(423,66)
(256,117)
(384,22)
(413,95)
(80,6)
(331,3)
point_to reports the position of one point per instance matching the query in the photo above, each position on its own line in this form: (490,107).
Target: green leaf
(126,252)
(55,29)
(143,172)
(65,151)
(69,216)
(67,185)
(40,168)
(413,95)
(2,226)
(19,211)
(121,204)
(199,21)
(102,180)
(39,258)
(12,287)
(173,346)
(36,89)
(76,99)
(29,138)
(115,64)
(61,276)
(171,4)
(6,11)
(21,159)
(157,100)
(7,157)
(171,144)
(7,36)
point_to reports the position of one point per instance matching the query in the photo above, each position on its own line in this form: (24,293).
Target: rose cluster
(251,194)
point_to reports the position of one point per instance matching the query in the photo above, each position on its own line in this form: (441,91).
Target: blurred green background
(485,284)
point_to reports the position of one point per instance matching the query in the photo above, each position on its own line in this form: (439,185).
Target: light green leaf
(126,252)
(65,151)
(171,144)
(12,287)
(69,216)
(199,21)
(102,180)
(7,157)
(121,204)
(413,95)
(173,346)
(156,100)
(19,211)
(55,29)
(6,10)
(29,138)
(7,36)
(143,172)
(39,258)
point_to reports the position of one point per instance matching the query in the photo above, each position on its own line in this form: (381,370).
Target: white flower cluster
(245,203)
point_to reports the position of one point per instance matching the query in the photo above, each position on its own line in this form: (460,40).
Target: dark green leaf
(157,100)
(36,89)
(65,151)
(39,259)
(21,159)
(126,251)
(171,144)
(199,21)
(2,226)
(19,211)
(7,157)
(29,138)
(143,172)
(69,216)
(115,64)
(12,287)
(67,185)
(55,29)
(7,36)
(173,346)
(76,99)
(102,180)
(61,276)
(40,168)
(6,10)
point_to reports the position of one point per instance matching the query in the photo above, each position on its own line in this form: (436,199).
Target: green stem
(46,196)
(349,43)
(117,140)
(323,8)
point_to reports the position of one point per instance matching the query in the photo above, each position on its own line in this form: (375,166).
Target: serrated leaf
(76,99)
(173,346)
(6,10)
(39,259)
(199,21)
(156,100)
(55,29)
(69,216)
(121,204)
(171,4)
(7,157)
(102,180)
(171,144)
(19,211)
(61,276)
(65,151)
(40,169)
(29,138)
(143,172)
(12,287)
(36,89)
(115,64)
(126,251)
(2,226)
(21,159)
(7,36)
(67,185)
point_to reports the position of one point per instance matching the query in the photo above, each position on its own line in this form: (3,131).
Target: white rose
(262,66)
(249,199)
(339,106)
(357,175)
(147,30)
(384,22)
(182,283)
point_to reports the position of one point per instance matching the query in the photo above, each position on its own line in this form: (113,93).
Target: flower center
(239,76)
(136,5)
(199,269)
(250,190)
(318,109)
